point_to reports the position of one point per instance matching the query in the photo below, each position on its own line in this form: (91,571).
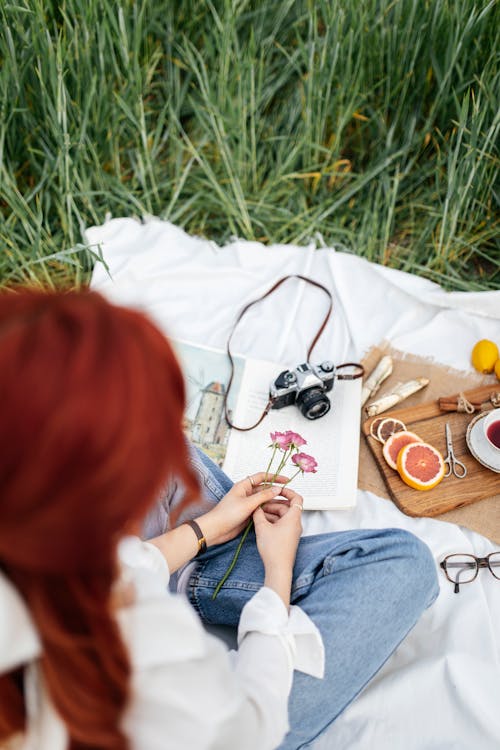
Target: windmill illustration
(209,426)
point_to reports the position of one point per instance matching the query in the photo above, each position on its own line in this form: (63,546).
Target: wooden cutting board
(428,422)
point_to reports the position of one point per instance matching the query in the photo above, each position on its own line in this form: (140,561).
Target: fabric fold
(144,564)
(266,613)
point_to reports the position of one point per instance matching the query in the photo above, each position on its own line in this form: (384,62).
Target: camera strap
(347,376)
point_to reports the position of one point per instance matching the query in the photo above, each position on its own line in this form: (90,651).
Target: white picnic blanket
(441,688)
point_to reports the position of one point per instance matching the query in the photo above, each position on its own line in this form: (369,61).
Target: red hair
(92,405)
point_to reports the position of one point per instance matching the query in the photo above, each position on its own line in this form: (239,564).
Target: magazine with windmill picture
(332,439)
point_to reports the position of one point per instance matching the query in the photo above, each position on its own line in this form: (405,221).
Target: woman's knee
(413,566)
(214,482)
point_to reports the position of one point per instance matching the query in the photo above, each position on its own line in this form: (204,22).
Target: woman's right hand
(278,527)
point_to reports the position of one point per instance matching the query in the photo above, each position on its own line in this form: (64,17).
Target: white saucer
(480,447)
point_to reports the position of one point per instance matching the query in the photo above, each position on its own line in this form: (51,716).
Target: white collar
(19,642)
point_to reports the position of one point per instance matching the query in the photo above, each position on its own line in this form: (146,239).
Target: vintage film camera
(306,386)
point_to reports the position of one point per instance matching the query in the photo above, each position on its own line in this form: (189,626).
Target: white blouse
(187,690)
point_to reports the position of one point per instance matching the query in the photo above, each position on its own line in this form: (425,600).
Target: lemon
(497,368)
(484,356)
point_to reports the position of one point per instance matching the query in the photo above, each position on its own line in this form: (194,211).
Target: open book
(333,439)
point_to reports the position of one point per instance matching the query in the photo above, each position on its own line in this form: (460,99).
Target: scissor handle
(458,464)
(451,460)
(453,464)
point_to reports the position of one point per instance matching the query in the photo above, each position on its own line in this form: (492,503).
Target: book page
(333,439)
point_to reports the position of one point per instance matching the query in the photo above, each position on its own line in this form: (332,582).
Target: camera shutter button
(327,366)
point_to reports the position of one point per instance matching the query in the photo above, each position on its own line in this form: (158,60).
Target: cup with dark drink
(491,425)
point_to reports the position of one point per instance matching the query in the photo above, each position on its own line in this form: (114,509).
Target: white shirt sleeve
(187,690)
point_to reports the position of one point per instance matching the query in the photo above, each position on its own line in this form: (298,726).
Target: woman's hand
(278,527)
(222,523)
(230,516)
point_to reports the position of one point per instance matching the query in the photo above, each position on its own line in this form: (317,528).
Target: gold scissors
(455,467)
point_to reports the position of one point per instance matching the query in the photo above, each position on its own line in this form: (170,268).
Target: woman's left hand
(230,516)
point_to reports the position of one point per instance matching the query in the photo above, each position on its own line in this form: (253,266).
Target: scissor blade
(449,444)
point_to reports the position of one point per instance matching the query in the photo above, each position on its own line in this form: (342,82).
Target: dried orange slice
(397,442)
(388,427)
(374,427)
(420,465)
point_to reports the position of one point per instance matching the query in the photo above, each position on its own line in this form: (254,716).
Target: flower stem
(233,561)
(283,461)
(270,462)
(292,478)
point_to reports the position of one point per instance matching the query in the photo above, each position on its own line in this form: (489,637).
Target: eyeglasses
(464,568)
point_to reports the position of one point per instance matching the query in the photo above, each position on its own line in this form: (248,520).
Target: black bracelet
(202,542)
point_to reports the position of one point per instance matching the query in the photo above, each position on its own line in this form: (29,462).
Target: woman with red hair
(95,651)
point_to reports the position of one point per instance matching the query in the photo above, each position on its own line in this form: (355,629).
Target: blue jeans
(364,589)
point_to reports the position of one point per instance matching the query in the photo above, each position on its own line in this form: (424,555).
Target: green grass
(373,123)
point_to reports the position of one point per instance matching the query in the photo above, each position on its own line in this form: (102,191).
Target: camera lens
(313,403)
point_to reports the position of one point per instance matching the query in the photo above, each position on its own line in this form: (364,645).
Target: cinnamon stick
(453,407)
(453,402)
(458,403)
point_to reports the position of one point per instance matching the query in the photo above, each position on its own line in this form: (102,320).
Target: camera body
(306,386)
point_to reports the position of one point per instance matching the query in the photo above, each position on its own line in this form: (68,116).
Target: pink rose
(296,440)
(280,440)
(306,463)
(286,440)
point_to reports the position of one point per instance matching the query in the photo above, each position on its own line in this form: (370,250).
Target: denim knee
(214,482)
(414,567)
